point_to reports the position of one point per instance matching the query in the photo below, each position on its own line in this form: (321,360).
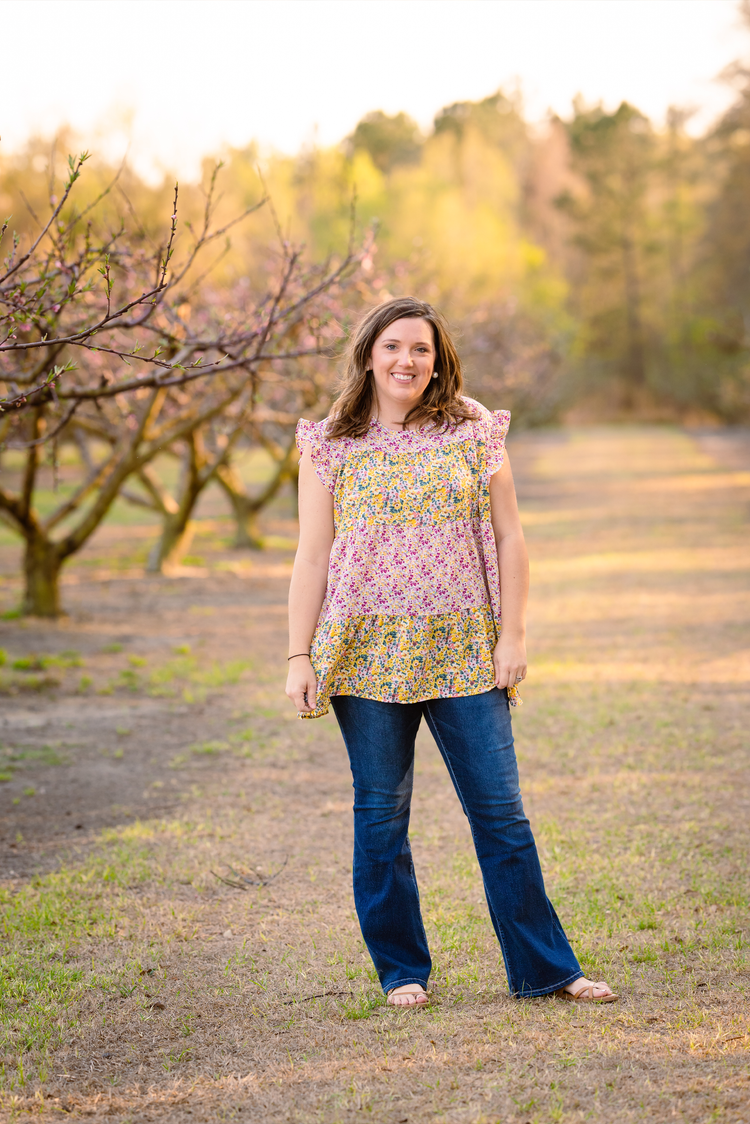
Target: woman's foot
(408,995)
(587,991)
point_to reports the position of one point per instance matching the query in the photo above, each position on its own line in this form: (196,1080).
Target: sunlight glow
(175,81)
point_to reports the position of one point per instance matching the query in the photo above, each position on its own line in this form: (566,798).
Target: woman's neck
(392,416)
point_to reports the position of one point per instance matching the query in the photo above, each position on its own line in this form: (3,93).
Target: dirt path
(139,986)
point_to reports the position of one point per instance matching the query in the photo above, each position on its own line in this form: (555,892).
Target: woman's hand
(301,685)
(509,659)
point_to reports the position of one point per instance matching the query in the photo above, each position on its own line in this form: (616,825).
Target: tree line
(597,262)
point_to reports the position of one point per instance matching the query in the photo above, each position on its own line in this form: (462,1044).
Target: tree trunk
(178,528)
(246,509)
(41,564)
(246,532)
(173,543)
(635,362)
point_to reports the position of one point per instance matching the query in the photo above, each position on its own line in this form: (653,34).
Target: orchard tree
(104,334)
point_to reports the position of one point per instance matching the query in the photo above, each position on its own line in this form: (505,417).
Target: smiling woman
(402,364)
(408,601)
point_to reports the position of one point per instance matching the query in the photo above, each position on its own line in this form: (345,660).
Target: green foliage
(498,119)
(601,261)
(389,141)
(660,237)
(453,225)
(615,153)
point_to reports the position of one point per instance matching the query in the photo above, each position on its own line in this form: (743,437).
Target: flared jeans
(475,738)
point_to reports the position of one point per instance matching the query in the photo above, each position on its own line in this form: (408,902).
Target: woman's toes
(410,995)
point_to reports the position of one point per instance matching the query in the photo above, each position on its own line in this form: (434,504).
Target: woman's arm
(309,578)
(510,652)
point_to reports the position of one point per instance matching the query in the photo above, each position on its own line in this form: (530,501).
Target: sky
(172,81)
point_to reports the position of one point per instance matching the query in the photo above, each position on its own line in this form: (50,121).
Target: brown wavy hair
(441,404)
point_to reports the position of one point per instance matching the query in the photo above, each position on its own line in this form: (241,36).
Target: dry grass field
(179,942)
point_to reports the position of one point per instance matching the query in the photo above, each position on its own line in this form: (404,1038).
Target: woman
(410,542)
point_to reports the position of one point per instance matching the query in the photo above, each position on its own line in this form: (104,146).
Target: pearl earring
(434,374)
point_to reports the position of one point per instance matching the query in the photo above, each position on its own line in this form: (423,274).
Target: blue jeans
(474,736)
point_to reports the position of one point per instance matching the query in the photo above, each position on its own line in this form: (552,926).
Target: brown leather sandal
(581,995)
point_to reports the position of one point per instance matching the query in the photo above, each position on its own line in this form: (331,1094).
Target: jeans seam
(438,738)
(416,884)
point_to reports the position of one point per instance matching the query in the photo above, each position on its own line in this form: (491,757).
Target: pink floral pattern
(412,606)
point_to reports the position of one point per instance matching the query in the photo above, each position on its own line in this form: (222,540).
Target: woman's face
(402,361)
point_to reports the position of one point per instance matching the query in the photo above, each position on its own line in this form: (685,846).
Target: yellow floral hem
(404,658)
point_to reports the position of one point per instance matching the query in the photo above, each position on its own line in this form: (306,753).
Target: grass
(26,757)
(13,684)
(138,983)
(31,672)
(190,677)
(47,980)
(40,663)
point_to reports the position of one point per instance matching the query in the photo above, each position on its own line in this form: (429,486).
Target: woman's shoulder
(489,429)
(326,455)
(486,422)
(310,431)
(315,434)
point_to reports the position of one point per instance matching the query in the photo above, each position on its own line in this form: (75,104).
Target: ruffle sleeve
(326,455)
(490,430)
(498,422)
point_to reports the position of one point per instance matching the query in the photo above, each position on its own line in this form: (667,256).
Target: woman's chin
(404,393)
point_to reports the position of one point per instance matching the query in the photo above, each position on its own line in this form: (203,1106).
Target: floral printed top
(412,605)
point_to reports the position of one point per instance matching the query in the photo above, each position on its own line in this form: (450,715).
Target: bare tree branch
(75,171)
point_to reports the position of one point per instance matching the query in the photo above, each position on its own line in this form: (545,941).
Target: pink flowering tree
(124,345)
